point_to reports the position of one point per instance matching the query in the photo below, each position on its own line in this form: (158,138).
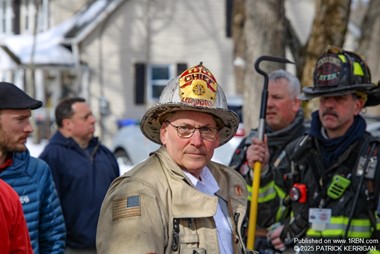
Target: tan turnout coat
(154,208)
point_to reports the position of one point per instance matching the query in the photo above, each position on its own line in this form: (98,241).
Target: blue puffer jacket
(32,180)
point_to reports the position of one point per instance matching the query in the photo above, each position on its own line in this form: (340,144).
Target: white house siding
(301,15)
(60,10)
(181,31)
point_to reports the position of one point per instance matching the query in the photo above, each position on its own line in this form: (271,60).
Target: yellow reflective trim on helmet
(358,70)
(343,58)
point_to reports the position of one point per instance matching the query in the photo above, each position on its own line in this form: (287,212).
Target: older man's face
(192,153)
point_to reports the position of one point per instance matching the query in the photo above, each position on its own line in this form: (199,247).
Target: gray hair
(294,85)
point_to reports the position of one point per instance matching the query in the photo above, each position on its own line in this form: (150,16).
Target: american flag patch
(126,207)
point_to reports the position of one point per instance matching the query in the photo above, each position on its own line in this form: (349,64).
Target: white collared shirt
(208,185)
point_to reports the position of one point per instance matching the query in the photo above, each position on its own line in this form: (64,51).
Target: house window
(33,15)
(151,85)
(158,78)
(27,17)
(6,16)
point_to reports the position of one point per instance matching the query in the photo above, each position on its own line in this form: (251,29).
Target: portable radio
(338,186)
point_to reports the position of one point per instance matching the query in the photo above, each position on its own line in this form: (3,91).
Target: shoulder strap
(370,185)
(301,148)
(366,168)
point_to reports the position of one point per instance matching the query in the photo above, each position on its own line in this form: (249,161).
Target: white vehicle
(374,128)
(130,146)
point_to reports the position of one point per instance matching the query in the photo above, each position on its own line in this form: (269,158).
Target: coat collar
(188,202)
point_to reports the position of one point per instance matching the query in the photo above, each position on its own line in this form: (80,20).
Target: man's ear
(163,133)
(296,104)
(359,104)
(66,123)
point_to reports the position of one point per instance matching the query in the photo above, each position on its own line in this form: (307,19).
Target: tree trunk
(264,30)
(329,28)
(369,46)
(238,21)
(264,35)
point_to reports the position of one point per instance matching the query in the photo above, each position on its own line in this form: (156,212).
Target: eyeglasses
(187,131)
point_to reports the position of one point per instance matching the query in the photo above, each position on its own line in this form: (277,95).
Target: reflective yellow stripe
(280,192)
(280,212)
(360,228)
(249,188)
(378,228)
(267,192)
(281,209)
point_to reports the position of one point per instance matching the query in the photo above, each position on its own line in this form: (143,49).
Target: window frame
(6,17)
(161,83)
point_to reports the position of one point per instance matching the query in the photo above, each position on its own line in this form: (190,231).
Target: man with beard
(30,177)
(283,124)
(331,175)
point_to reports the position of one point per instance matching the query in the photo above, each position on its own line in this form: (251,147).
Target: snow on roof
(45,52)
(47,46)
(86,16)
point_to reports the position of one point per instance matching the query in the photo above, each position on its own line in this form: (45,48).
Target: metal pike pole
(257,165)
